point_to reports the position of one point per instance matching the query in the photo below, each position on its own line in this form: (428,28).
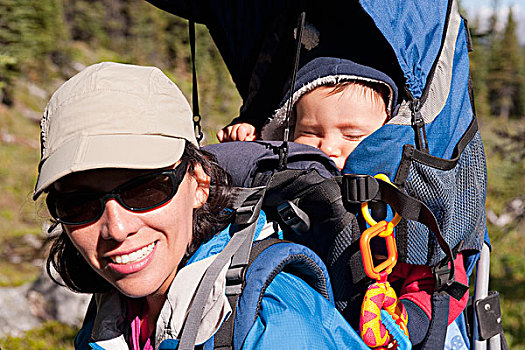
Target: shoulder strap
(223,339)
(269,257)
(237,252)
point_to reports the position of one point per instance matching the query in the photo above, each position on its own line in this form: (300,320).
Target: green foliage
(51,335)
(478,70)
(498,68)
(505,81)
(7,73)
(505,145)
(31,31)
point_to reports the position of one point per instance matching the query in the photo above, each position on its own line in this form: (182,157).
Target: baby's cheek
(349,147)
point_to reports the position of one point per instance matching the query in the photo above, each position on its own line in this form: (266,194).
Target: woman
(125,179)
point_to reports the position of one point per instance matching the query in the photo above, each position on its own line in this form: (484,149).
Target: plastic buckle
(294,217)
(441,277)
(359,188)
(441,271)
(235,279)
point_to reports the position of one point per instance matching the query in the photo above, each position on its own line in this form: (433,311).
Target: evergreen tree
(37,36)
(478,68)
(504,73)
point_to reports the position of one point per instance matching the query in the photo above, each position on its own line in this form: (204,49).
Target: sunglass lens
(148,193)
(76,209)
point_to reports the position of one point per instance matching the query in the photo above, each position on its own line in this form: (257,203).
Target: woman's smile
(134,261)
(136,255)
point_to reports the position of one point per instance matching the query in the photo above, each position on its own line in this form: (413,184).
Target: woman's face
(137,252)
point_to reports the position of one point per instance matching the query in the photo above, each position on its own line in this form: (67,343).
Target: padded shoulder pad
(267,263)
(243,160)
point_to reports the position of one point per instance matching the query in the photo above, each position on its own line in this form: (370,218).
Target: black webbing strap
(437,331)
(415,210)
(236,253)
(195,89)
(283,149)
(223,339)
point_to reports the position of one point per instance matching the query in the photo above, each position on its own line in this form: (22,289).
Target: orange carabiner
(382,229)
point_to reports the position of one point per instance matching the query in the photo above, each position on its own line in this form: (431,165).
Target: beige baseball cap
(113,115)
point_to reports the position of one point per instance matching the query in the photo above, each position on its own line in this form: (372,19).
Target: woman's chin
(136,289)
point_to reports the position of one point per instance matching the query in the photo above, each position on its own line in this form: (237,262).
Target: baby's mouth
(133,256)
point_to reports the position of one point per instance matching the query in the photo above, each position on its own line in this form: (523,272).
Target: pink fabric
(418,285)
(139,325)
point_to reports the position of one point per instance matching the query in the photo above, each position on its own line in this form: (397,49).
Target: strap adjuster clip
(294,217)
(359,188)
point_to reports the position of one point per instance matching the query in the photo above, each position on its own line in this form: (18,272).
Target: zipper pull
(418,124)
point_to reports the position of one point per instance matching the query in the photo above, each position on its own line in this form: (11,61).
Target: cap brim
(88,152)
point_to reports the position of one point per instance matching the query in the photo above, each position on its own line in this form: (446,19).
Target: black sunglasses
(142,193)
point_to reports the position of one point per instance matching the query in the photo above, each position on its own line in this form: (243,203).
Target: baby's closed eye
(354,137)
(308,133)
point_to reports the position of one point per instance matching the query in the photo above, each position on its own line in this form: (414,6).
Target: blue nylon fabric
(294,316)
(172,344)
(414,29)
(220,240)
(169,344)
(381,151)
(258,273)
(451,123)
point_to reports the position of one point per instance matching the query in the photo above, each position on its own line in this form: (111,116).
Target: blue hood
(325,71)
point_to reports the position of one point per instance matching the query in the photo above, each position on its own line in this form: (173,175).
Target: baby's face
(335,123)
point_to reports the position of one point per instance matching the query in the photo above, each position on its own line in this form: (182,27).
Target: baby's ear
(202,191)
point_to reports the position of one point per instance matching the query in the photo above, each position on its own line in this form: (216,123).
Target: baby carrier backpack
(430,150)
(252,267)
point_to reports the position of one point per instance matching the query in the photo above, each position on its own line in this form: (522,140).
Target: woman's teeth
(134,256)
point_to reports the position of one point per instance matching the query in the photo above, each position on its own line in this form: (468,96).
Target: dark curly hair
(212,217)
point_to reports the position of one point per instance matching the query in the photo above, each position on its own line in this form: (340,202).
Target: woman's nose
(117,223)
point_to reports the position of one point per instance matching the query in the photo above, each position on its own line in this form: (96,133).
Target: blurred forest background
(44,42)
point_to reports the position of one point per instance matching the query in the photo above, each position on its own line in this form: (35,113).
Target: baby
(337,103)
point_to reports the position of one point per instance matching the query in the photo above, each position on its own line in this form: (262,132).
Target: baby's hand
(237,132)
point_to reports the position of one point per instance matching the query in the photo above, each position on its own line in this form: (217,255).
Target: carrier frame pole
(481,291)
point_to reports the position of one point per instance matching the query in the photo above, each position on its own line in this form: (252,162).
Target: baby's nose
(330,147)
